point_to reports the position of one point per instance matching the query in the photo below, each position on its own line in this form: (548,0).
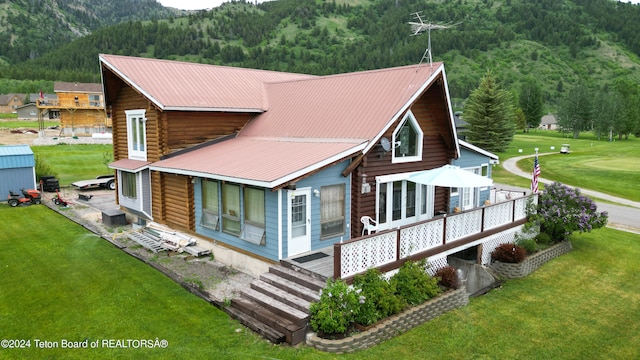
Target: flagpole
(534,174)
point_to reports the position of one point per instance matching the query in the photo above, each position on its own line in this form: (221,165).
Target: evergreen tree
(531,103)
(490,112)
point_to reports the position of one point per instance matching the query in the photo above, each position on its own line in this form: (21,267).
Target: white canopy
(450,176)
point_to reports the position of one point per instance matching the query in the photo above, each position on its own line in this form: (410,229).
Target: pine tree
(490,112)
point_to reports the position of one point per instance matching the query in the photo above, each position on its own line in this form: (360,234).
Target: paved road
(623,215)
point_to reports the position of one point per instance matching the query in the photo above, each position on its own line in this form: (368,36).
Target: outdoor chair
(368,225)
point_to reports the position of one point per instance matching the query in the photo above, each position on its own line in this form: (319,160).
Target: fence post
(337,261)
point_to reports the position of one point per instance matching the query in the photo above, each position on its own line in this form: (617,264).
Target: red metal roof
(346,106)
(129,164)
(175,85)
(308,121)
(258,161)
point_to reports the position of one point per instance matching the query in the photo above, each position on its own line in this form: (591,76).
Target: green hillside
(558,42)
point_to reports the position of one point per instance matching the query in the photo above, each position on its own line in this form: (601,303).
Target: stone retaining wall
(394,325)
(531,263)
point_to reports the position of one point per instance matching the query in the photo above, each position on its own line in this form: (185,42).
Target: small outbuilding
(17,169)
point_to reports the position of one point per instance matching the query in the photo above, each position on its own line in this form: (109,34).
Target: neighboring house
(17,169)
(548,122)
(9,103)
(477,161)
(79,106)
(27,112)
(48,112)
(276,164)
(461,125)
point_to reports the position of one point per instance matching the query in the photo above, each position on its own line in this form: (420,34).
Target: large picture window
(137,134)
(332,204)
(210,204)
(231,209)
(254,216)
(128,185)
(407,140)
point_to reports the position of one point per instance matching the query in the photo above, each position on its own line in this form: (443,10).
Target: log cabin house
(274,164)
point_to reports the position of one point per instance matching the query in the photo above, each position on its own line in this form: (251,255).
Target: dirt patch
(204,276)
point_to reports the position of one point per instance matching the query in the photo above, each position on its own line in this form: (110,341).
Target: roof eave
(265,184)
(478,150)
(213,109)
(120,74)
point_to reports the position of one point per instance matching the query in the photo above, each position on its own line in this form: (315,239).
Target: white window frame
(409,119)
(136,119)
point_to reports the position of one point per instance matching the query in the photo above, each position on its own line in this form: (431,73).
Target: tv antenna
(419,26)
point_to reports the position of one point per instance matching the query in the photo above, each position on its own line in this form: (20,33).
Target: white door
(397,204)
(470,196)
(299,221)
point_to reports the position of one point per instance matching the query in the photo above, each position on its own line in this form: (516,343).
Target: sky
(197,4)
(209,4)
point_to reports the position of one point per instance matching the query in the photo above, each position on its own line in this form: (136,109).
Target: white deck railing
(388,247)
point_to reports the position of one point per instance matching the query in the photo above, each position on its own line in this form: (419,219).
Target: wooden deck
(322,267)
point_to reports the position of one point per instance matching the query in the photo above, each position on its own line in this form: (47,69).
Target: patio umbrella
(450,176)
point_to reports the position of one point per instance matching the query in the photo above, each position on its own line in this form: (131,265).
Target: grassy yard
(61,282)
(75,162)
(22,124)
(609,167)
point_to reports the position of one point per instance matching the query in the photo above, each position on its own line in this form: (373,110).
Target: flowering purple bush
(563,210)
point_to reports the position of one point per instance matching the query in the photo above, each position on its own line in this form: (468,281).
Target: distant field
(608,167)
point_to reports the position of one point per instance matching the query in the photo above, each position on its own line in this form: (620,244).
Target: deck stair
(277,304)
(148,240)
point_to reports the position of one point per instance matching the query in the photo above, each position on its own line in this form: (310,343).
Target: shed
(17,169)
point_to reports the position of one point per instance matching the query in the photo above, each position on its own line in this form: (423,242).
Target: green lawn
(15,124)
(609,167)
(60,282)
(76,162)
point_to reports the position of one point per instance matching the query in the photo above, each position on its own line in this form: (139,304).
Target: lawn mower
(30,196)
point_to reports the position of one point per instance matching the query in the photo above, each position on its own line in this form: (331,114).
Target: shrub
(448,277)
(562,211)
(543,239)
(43,168)
(509,253)
(530,245)
(377,298)
(336,310)
(413,284)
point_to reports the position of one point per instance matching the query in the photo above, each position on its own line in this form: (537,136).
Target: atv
(29,196)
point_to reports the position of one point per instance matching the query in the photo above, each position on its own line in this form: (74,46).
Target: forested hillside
(558,42)
(31,28)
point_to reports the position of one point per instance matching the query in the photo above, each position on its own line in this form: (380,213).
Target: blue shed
(17,169)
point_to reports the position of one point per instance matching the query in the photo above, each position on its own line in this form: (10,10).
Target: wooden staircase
(276,305)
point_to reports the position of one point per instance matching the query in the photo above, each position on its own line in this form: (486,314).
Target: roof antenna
(418,27)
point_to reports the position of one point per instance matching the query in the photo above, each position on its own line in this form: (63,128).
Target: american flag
(534,175)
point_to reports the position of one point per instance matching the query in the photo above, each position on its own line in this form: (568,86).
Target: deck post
(337,257)
(444,230)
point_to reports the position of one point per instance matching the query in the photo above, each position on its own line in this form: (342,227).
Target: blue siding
(269,250)
(471,159)
(17,169)
(329,176)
